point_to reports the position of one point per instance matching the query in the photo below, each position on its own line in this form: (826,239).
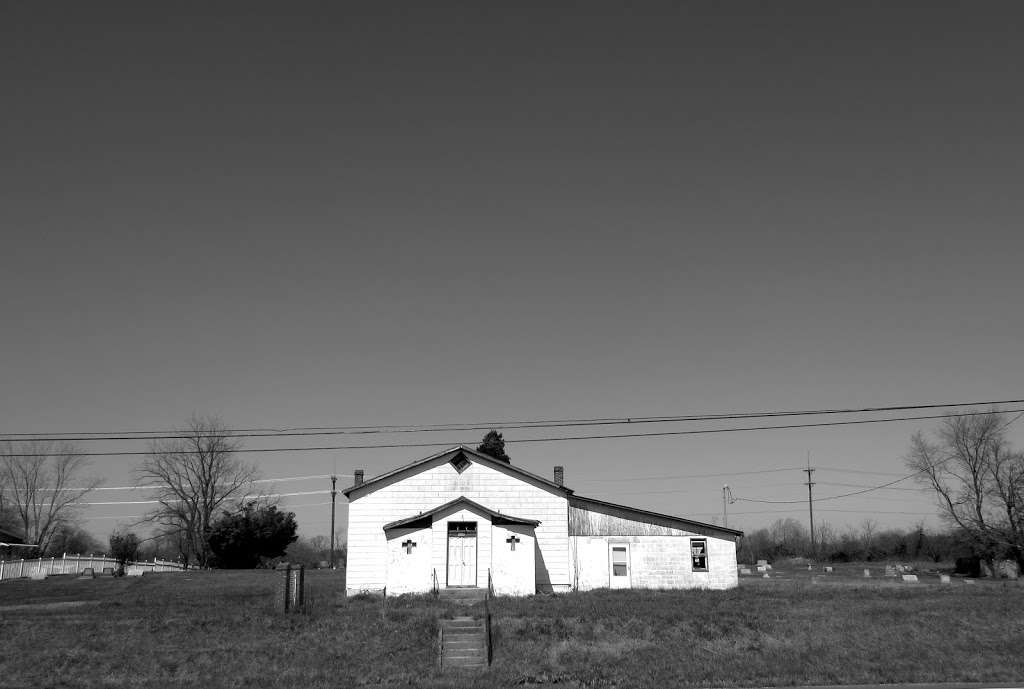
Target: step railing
(440,647)
(487,612)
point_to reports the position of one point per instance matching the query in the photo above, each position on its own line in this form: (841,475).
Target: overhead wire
(283,479)
(884,485)
(484,425)
(520,441)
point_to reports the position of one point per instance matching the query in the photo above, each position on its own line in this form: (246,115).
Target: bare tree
(978,480)
(868,530)
(196,475)
(41,485)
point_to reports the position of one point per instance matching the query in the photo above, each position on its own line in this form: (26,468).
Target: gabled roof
(463,502)
(653,517)
(470,454)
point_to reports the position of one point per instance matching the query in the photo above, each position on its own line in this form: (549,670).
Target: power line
(860,485)
(283,479)
(858,471)
(484,425)
(832,511)
(158,502)
(890,483)
(659,478)
(140,516)
(520,441)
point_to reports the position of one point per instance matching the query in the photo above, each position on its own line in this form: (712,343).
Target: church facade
(462,519)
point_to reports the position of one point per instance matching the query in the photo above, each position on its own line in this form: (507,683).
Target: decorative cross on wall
(512,540)
(409,545)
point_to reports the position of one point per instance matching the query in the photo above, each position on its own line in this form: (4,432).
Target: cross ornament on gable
(409,545)
(512,540)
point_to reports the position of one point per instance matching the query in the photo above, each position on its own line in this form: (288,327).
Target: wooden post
(298,585)
(293,587)
(286,571)
(334,493)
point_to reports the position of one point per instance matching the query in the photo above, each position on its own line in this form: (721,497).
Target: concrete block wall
(409,572)
(513,570)
(655,562)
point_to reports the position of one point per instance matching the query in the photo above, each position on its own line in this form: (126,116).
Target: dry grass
(220,629)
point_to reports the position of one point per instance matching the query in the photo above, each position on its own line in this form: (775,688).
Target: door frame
(448,553)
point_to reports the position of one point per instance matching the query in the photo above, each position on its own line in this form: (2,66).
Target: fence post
(21,569)
(299,589)
(293,589)
(2,563)
(286,571)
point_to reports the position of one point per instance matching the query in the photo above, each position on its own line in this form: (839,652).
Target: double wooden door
(461,553)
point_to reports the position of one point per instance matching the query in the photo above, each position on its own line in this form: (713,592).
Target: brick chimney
(560,475)
(359,477)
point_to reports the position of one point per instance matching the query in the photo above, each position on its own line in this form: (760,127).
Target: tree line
(789,538)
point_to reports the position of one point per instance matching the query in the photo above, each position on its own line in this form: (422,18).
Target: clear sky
(327,214)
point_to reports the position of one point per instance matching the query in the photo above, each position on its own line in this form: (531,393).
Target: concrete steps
(463,595)
(463,643)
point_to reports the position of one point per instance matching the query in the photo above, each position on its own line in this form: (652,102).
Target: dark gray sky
(387,213)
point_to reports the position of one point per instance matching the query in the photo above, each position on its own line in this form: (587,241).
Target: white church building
(458,517)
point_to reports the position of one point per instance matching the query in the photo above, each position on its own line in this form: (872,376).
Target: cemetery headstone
(867,572)
(910,578)
(87,573)
(828,569)
(943,578)
(745,570)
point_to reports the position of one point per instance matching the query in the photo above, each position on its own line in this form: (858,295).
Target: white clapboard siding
(437,482)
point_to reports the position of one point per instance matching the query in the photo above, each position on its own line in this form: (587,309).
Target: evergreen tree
(493,445)
(242,540)
(124,547)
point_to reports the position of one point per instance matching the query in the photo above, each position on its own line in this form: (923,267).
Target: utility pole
(725,510)
(810,502)
(334,493)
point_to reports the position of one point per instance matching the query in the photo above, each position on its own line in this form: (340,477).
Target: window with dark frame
(620,561)
(699,554)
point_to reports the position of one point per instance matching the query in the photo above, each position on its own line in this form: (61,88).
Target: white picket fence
(76,564)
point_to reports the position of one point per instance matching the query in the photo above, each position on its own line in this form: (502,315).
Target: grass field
(220,629)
